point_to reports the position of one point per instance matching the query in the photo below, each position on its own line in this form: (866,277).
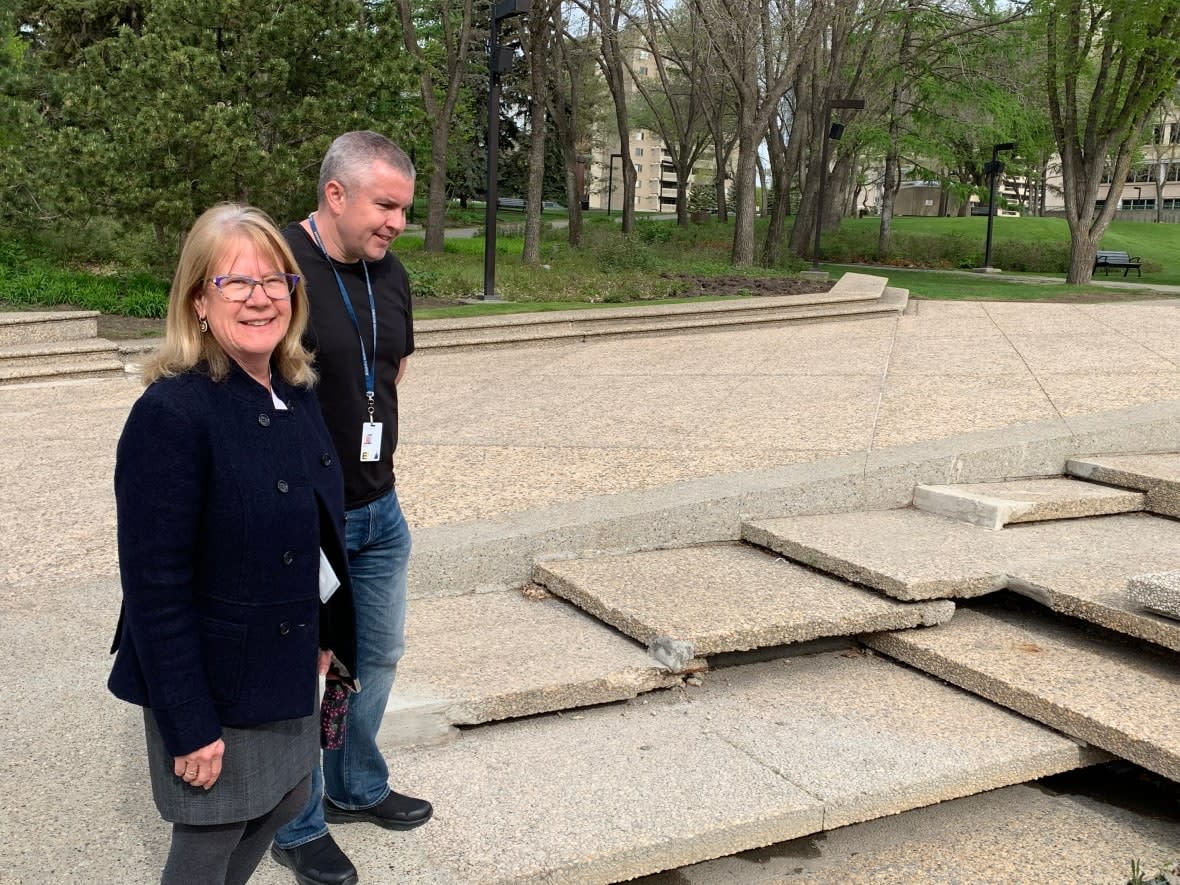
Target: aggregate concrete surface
(485,434)
(727,597)
(996,504)
(1122,699)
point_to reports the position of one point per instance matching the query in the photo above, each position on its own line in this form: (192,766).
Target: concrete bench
(1108,259)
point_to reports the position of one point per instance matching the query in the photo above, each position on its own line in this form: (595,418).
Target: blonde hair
(185,347)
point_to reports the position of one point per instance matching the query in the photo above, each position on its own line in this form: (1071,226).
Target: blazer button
(288,558)
(264,419)
(326,459)
(284,628)
(281,485)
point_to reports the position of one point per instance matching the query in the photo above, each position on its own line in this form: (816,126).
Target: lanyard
(370,386)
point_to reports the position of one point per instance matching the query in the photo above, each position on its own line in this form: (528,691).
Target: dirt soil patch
(738,285)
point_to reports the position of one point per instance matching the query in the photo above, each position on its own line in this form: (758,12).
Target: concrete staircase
(54,345)
(854,296)
(630,713)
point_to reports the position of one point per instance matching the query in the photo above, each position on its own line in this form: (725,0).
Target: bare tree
(454,23)
(674,102)
(610,17)
(572,90)
(756,44)
(538,40)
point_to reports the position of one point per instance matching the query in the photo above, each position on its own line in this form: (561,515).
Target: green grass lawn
(1157,244)
(658,264)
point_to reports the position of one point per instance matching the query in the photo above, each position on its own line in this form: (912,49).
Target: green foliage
(35,283)
(1169,874)
(152,114)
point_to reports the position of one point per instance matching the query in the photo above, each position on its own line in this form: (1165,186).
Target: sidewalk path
(492,432)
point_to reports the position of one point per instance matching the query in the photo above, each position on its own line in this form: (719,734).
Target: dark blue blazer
(224,502)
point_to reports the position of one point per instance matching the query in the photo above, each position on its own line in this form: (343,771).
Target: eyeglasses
(277,286)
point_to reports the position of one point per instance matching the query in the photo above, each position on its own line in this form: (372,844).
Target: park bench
(1108,259)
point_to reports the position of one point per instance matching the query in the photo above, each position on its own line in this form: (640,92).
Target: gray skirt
(260,766)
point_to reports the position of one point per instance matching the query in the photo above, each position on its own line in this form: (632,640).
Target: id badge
(371,441)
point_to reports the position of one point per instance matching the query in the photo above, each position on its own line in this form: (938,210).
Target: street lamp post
(499,62)
(610,180)
(994,168)
(832,131)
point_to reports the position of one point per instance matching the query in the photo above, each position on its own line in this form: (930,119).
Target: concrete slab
(912,555)
(1098,594)
(1040,832)
(725,597)
(905,554)
(756,755)
(995,504)
(1158,593)
(1124,700)
(1158,475)
(487,656)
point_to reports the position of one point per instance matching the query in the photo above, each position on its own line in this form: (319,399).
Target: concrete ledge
(498,553)
(29,327)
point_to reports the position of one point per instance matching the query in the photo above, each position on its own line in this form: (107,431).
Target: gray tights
(228,854)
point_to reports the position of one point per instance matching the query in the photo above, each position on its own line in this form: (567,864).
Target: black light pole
(610,180)
(831,131)
(499,62)
(994,168)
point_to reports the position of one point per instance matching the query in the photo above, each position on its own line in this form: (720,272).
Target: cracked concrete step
(487,656)
(1158,475)
(725,597)
(908,554)
(1159,593)
(1124,700)
(1055,830)
(996,504)
(32,327)
(756,755)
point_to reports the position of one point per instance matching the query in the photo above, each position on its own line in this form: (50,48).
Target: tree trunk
(436,201)
(742,254)
(538,34)
(780,172)
(1083,249)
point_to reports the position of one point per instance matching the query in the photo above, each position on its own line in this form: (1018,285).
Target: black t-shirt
(333,338)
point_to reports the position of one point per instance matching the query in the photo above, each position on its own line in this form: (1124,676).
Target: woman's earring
(204,325)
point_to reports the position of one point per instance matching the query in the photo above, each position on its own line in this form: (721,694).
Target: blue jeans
(356,776)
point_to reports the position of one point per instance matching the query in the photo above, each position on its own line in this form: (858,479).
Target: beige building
(655,179)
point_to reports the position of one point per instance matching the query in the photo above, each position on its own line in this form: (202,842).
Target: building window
(639,135)
(638,168)
(1172,203)
(1173,172)
(1175,134)
(1140,174)
(1157,134)
(1137,204)
(643,70)
(639,152)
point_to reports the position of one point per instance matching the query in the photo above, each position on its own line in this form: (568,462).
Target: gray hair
(351,154)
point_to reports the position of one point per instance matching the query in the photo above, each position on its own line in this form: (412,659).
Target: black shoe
(394,812)
(318,862)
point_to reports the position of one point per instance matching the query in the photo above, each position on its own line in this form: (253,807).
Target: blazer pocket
(223,644)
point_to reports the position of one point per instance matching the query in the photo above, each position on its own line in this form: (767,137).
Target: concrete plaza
(489,434)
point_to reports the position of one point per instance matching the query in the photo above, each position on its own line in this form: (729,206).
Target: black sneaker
(318,862)
(394,812)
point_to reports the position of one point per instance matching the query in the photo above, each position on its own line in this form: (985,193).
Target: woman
(231,517)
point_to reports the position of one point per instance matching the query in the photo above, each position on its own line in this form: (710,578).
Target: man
(361,331)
